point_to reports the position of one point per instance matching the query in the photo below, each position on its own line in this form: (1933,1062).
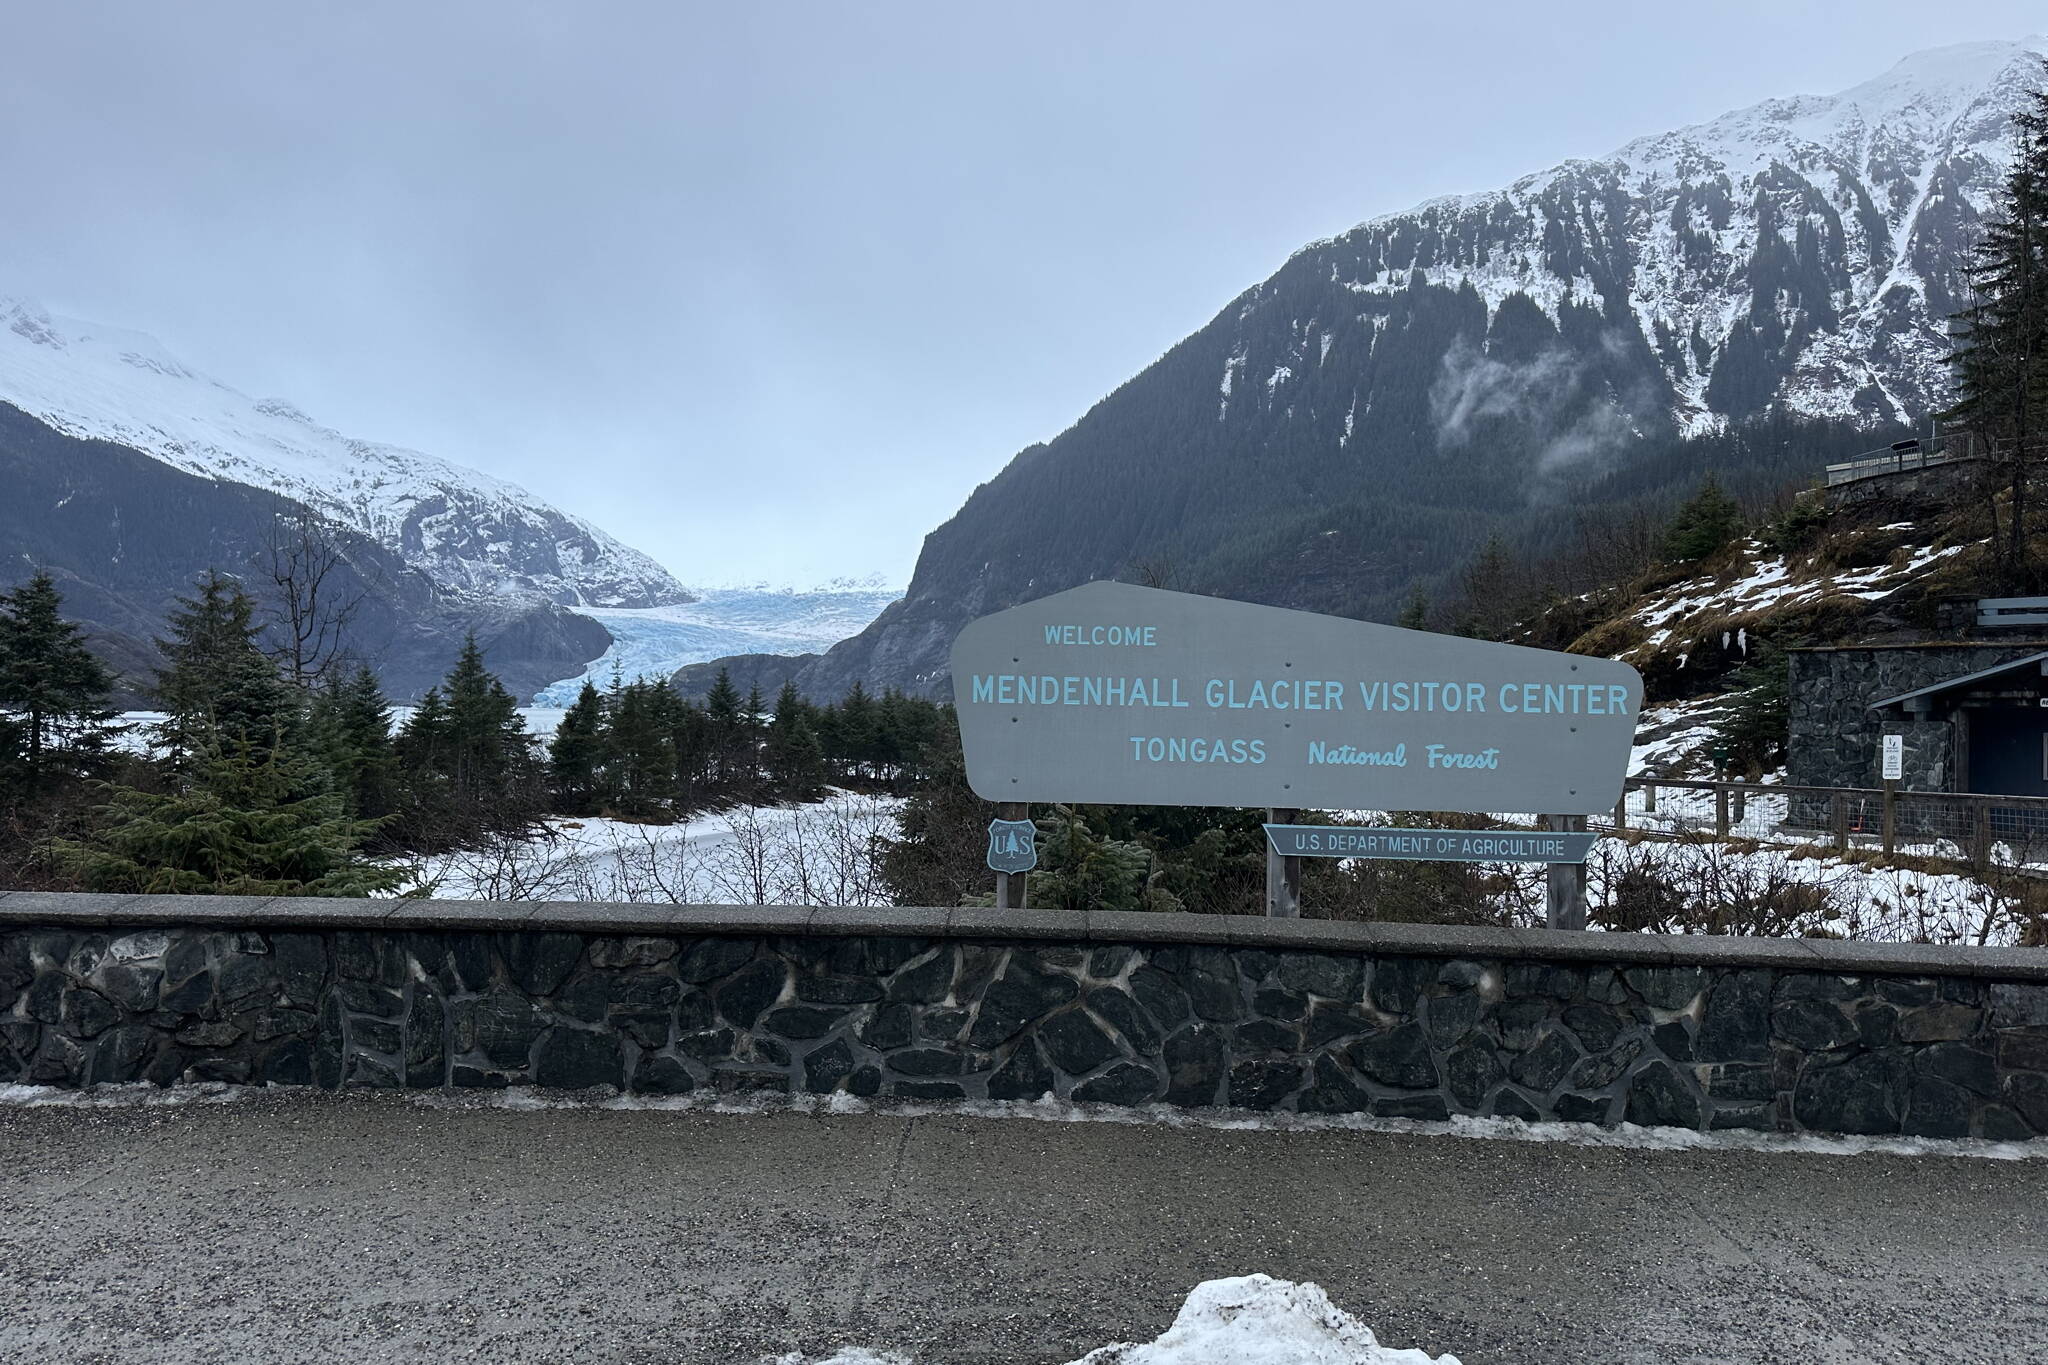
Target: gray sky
(767,289)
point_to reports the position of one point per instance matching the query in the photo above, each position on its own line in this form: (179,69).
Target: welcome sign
(1112,694)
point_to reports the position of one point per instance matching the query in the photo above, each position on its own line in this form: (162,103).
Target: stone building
(1974,715)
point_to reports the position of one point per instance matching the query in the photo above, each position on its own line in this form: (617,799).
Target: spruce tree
(465,758)
(2001,364)
(217,687)
(485,739)
(796,760)
(1754,729)
(576,755)
(857,729)
(640,762)
(1415,611)
(251,823)
(54,718)
(1491,593)
(366,757)
(1080,869)
(723,707)
(1707,522)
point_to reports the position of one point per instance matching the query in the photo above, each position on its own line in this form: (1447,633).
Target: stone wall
(1833,733)
(1413,1021)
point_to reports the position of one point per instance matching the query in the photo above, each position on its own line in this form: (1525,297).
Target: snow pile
(1248,1320)
(1258,1320)
(469,532)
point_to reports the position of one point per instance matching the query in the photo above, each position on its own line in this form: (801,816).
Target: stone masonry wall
(1396,1020)
(1833,733)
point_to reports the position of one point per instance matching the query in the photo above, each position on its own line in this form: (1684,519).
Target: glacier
(653,642)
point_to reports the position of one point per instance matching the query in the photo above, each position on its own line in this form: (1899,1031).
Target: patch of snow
(1048,1109)
(821,853)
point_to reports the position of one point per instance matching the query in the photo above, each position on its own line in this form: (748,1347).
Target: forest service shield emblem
(1012,845)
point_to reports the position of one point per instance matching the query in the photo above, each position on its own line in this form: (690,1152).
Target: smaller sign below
(1012,845)
(1894,757)
(1449,845)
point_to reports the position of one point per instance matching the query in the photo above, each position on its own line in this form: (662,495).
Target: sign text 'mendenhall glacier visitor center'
(1230,704)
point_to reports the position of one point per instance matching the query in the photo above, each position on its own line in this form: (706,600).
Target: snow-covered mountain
(1810,243)
(471,534)
(1755,295)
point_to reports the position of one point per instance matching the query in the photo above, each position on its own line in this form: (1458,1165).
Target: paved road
(305,1227)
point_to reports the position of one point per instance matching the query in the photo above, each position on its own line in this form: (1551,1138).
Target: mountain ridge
(1756,294)
(471,532)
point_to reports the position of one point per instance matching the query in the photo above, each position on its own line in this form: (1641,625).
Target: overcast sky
(767,289)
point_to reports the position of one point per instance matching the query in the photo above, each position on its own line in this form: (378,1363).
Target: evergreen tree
(639,757)
(940,854)
(1079,869)
(856,731)
(423,736)
(723,709)
(1491,593)
(690,747)
(217,687)
(364,756)
(54,718)
(1706,524)
(1415,611)
(486,748)
(465,758)
(2001,365)
(796,760)
(576,756)
(1754,730)
(246,825)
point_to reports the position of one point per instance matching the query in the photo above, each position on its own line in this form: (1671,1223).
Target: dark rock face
(1398,1037)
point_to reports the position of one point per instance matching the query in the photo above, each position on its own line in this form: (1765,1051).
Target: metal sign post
(1283,871)
(1893,769)
(1564,883)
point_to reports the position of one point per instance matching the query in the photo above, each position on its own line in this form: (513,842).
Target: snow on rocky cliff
(1813,240)
(472,534)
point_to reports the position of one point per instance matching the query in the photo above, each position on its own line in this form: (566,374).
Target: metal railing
(1894,461)
(1973,827)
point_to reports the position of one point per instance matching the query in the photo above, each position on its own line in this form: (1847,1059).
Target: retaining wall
(1418,1021)
(1833,735)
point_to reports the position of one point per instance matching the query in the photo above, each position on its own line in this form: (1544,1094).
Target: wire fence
(1980,829)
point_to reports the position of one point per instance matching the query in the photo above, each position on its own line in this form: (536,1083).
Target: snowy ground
(819,854)
(656,641)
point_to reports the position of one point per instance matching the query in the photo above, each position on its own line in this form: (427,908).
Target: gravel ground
(297,1226)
